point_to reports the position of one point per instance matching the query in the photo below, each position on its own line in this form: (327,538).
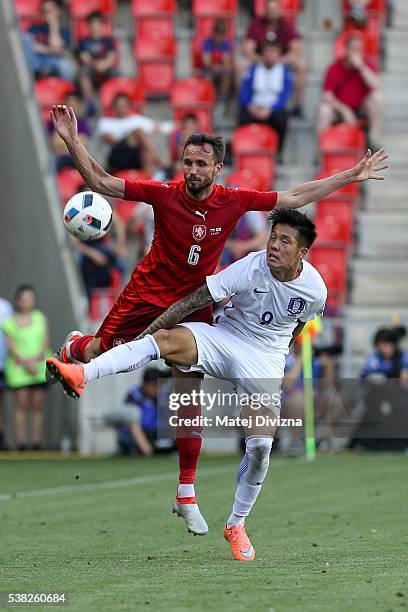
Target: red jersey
(189,235)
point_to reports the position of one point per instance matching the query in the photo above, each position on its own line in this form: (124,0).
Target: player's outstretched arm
(366,169)
(178,311)
(94,175)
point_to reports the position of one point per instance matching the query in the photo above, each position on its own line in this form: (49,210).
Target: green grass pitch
(330,536)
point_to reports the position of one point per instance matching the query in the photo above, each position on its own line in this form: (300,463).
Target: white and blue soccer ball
(87,216)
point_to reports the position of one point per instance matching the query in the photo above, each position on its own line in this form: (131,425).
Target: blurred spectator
(47,44)
(217,61)
(189,125)
(28,342)
(275,28)
(126,136)
(97,56)
(358,13)
(328,404)
(388,361)
(62,157)
(250,234)
(137,420)
(352,88)
(6,311)
(265,91)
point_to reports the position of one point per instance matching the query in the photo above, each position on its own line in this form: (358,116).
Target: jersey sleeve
(150,192)
(316,308)
(230,281)
(257,200)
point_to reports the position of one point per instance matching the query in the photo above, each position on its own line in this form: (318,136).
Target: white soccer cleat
(195,521)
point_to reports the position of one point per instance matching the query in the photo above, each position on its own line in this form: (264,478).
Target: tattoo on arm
(297,331)
(178,311)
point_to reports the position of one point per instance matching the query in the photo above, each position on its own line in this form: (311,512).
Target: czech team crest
(199,232)
(296,306)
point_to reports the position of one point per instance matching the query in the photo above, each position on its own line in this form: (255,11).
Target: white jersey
(263,309)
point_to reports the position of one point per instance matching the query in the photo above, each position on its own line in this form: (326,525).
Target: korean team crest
(199,232)
(296,306)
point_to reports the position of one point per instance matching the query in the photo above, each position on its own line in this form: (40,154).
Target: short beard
(197,188)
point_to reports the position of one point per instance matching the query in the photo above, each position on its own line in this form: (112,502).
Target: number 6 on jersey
(194,254)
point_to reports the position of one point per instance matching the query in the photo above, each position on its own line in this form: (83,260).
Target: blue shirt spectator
(388,361)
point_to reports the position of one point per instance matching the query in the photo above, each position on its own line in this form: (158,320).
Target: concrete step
(389,195)
(379,282)
(396,44)
(382,234)
(363,321)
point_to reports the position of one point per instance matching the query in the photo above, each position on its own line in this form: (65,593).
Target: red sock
(78,347)
(189,440)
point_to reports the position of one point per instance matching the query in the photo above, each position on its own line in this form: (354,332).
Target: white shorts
(250,368)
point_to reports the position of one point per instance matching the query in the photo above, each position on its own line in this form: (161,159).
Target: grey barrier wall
(33,246)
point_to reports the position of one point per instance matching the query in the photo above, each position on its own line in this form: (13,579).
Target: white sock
(186,490)
(123,358)
(250,476)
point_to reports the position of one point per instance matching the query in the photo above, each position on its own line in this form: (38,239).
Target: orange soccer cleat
(70,375)
(241,547)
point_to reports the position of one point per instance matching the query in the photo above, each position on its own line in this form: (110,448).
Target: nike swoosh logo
(258,291)
(248,553)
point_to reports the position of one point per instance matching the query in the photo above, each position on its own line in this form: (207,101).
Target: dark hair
(95,15)
(121,94)
(190,116)
(151,374)
(386,334)
(20,289)
(217,143)
(304,226)
(220,27)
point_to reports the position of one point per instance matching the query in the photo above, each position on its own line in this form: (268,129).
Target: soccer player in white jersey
(273,294)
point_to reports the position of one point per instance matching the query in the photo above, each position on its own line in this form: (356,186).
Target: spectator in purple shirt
(97,56)
(47,44)
(58,146)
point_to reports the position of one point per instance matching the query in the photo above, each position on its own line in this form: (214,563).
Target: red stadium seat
(333,163)
(290,8)
(254,147)
(331,262)
(334,222)
(196,96)
(207,12)
(350,192)
(154,18)
(342,137)
(28,8)
(69,182)
(49,91)
(125,208)
(112,87)
(100,302)
(155,59)
(245,178)
(82,8)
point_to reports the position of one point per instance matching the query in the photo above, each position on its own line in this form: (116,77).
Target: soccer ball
(87,216)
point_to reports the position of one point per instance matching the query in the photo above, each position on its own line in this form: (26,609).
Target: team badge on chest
(199,232)
(296,306)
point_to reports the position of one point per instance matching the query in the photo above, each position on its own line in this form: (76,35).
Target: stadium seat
(69,182)
(350,192)
(28,8)
(49,91)
(207,12)
(254,147)
(245,178)
(100,302)
(331,262)
(154,18)
(334,222)
(112,87)
(290,8)
(82,8)
(338,162)
(196,96)
(125,209)
(342,138)
(155,64)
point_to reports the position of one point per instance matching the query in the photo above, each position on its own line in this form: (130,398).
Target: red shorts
(130,315)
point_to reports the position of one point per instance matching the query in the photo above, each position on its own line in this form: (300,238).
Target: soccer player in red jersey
(193,219)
